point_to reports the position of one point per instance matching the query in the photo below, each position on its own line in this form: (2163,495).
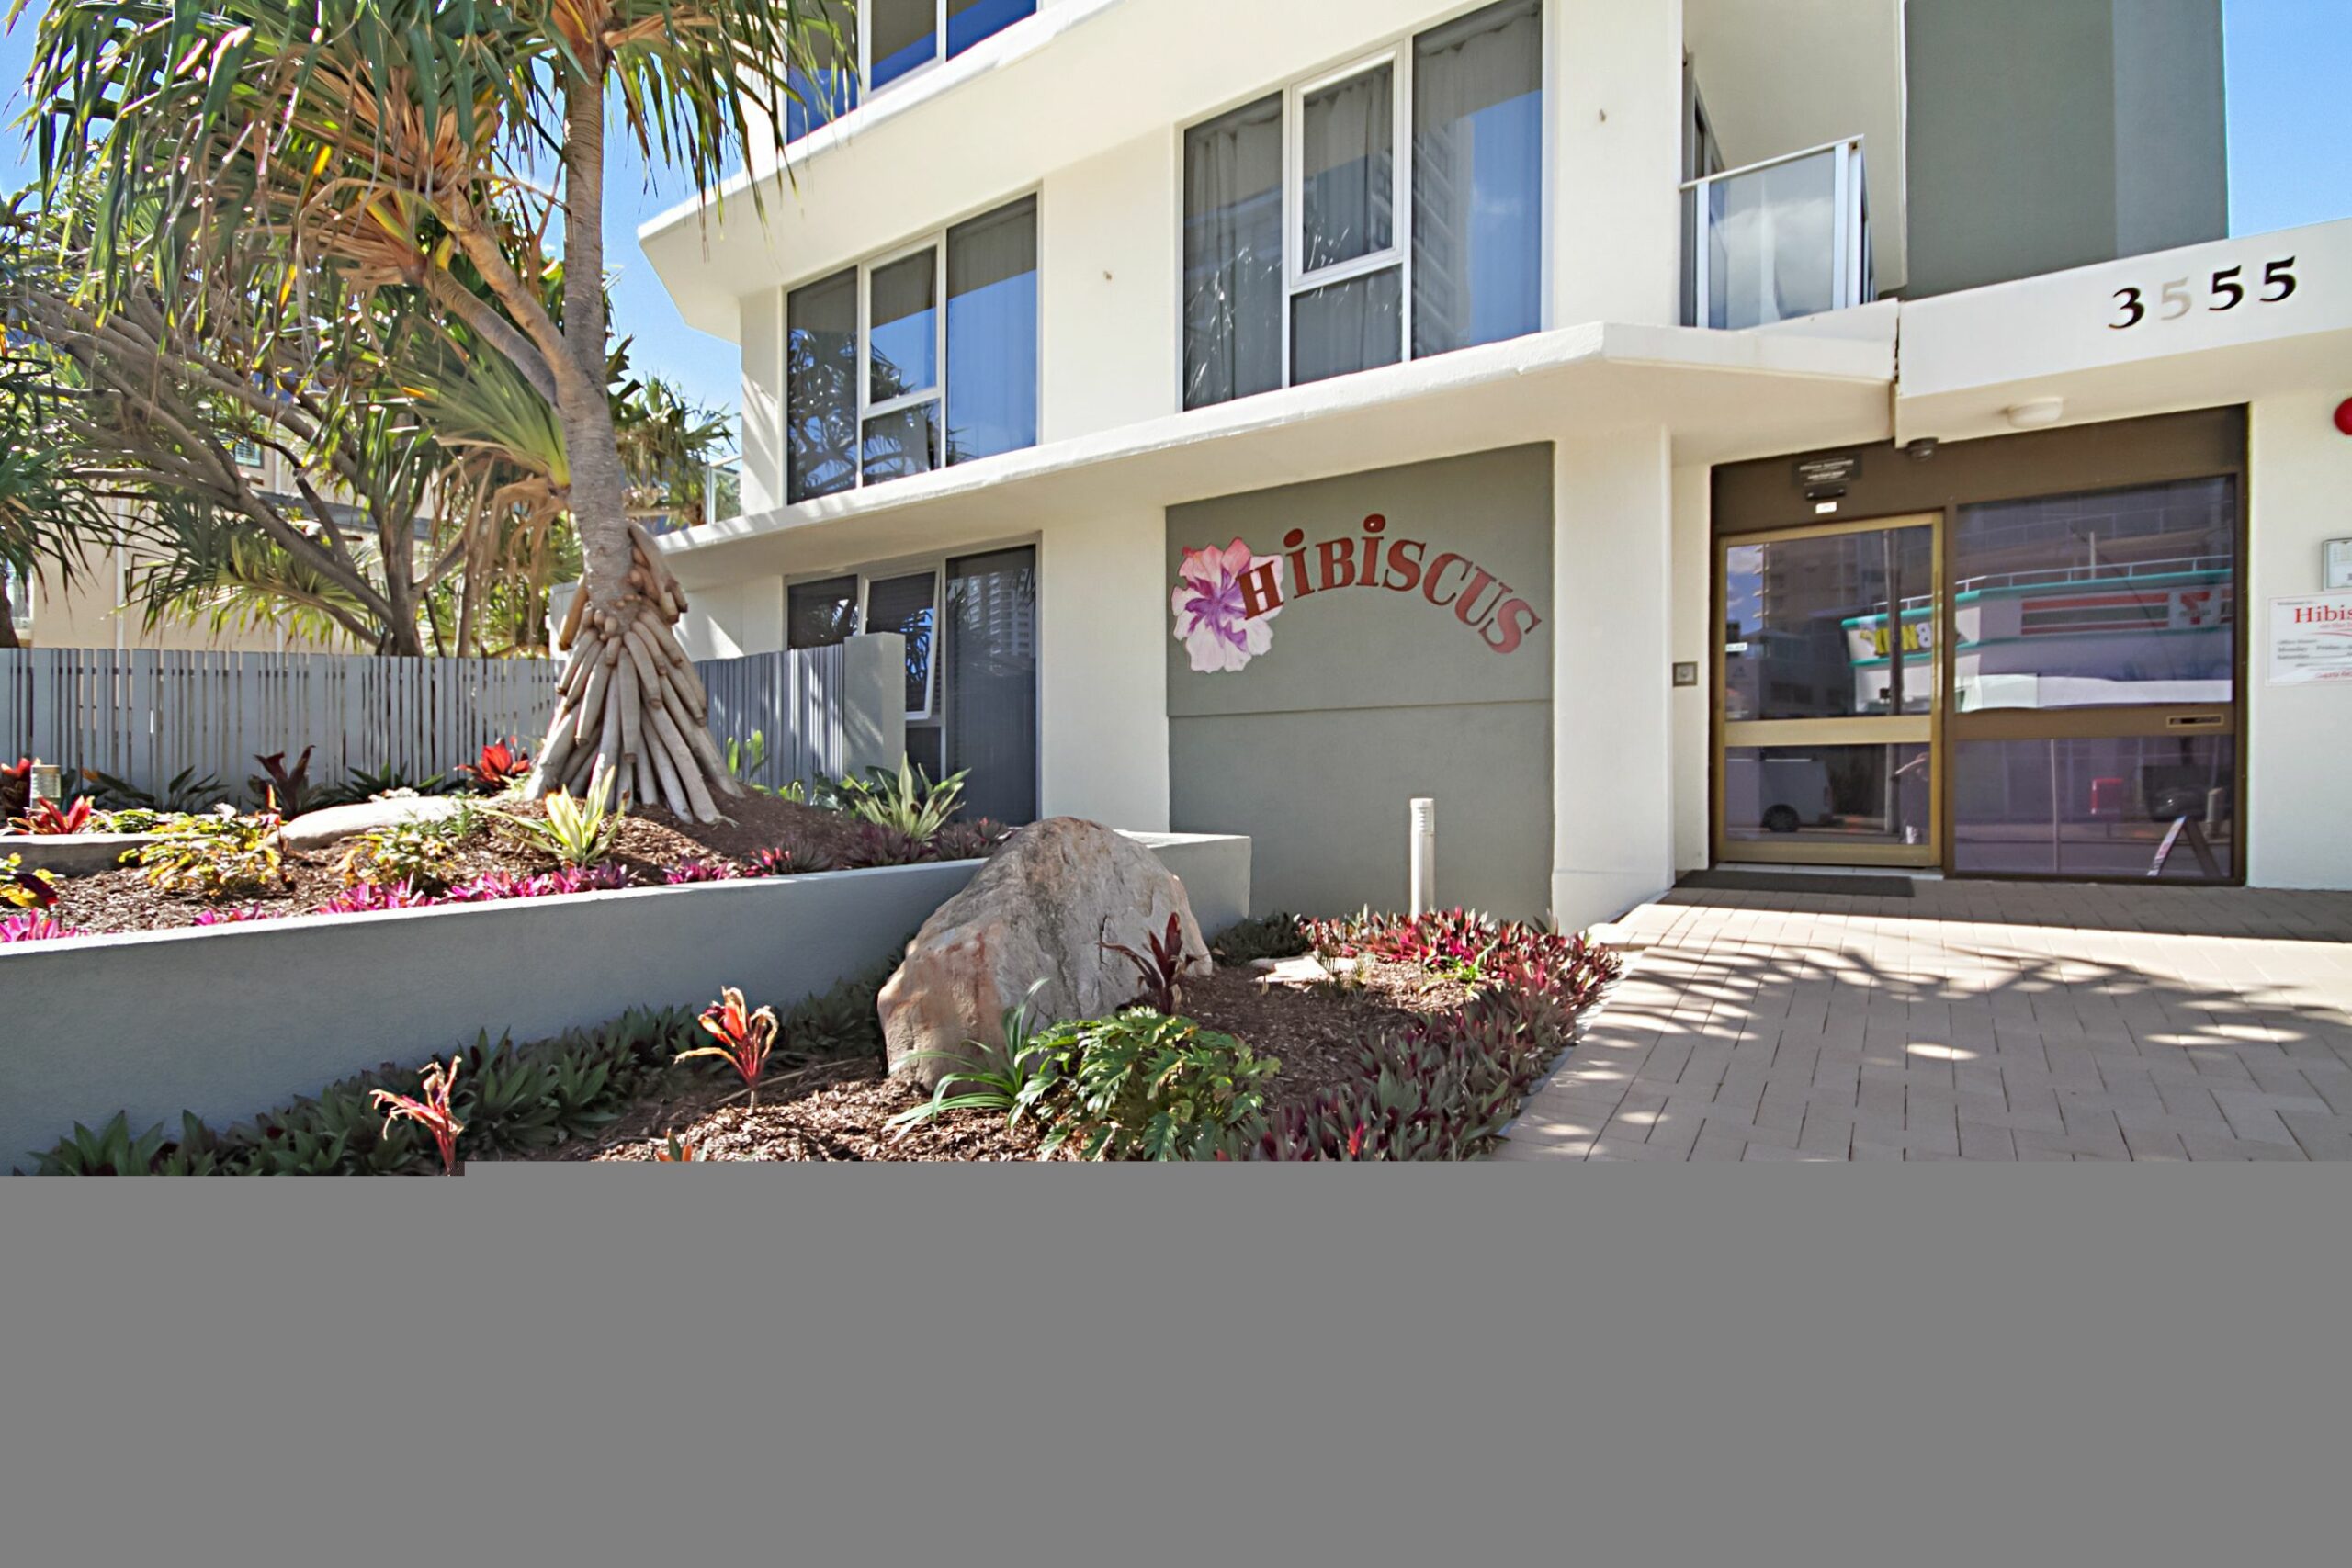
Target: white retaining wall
(230,1021)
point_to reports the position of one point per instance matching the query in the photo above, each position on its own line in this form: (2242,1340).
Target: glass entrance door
(2097,651)
(1829,680)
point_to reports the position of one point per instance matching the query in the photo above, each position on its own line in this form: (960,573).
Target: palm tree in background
(380,141)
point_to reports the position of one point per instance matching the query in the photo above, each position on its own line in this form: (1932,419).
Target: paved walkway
(1971,1020)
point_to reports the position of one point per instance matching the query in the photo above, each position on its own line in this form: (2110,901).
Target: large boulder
(1041,910)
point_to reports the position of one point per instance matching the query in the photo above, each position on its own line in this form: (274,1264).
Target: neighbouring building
(101,607)
(1670,434)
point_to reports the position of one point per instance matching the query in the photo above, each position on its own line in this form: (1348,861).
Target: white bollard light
(1424,856)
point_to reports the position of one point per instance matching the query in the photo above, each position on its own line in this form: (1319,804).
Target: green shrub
(1144,1086)
(422,854)
(577,832)
(905,802)
(1277,935)
(512,1099)
(213,857)
(1012,1077)
(187,792)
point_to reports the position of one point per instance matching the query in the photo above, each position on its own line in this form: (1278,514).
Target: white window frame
(937,568)
(936,392)
(1398,47)
(1296,280)
(935,242)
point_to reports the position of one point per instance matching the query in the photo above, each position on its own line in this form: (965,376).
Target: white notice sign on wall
(2311,639)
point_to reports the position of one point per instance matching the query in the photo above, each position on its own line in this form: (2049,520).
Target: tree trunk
(630,706)
(8,614)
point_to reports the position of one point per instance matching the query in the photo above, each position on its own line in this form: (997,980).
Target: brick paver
(1973,1020)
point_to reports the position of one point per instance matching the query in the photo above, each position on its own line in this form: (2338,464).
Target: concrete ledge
(72,854)
(1214,870)
(228,1020)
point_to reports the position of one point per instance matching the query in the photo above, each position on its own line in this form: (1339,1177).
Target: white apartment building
(1670,434)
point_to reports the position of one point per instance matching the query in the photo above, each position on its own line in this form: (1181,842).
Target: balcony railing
(1774,241)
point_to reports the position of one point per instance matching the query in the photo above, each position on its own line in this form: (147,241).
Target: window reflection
(2123,597)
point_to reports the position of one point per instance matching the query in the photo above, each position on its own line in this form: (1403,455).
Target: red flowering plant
(501,765)
(432,1112)
(46,817)
(745,1038)
(1161,967)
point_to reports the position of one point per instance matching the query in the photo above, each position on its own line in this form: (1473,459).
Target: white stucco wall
(1101,671)
(1613,770)
(1692,637)
(2300,467)
(1615,105)
(1109,295)
(729,620)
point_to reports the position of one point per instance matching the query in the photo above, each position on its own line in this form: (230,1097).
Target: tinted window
(992,333)
(1477,178)
(821,352)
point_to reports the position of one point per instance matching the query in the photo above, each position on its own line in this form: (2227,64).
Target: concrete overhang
(1970,358)
(1723,395)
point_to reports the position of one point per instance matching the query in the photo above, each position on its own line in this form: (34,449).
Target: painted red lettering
(1511,625)
(1338,556)
(1437,569)
(1405,570)
(1262,589)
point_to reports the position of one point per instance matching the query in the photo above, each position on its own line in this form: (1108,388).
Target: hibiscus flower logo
(1212,621)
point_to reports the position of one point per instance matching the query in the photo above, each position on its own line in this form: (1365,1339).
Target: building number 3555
(2228,292)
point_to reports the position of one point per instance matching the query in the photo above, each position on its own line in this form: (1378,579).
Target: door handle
(2195,721)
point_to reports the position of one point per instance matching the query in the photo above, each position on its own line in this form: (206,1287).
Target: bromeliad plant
(502,765)
(1161,969)
(745,1038)
(432,1112)
(286,790)
(22,889)
(905,802)
(32,925)
(577,832)
(15,787)
(48,819)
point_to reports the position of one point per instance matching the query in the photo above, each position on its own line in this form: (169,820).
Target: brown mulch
(650,841)
(841,1112)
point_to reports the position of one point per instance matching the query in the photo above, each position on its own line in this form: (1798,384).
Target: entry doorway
(1829,694)
(2045,684)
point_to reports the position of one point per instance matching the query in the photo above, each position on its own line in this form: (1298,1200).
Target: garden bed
(843,1111)
(652,848)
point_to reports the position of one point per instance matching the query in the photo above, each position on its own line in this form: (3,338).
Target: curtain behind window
(1233,255)
(991,682)
(1477,178)
(1347,195)
(992,333)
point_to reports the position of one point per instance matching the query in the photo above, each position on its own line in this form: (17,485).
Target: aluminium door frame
(1897,729)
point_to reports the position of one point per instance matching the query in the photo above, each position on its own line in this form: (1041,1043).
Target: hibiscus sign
(1218,628)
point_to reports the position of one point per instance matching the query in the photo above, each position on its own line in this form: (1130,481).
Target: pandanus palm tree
(378,139)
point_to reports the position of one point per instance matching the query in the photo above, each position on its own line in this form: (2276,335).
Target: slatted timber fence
(146,716)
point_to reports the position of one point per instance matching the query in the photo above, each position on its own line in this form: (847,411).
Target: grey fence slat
(146,715)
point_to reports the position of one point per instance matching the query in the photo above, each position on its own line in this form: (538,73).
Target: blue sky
(2291,163)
